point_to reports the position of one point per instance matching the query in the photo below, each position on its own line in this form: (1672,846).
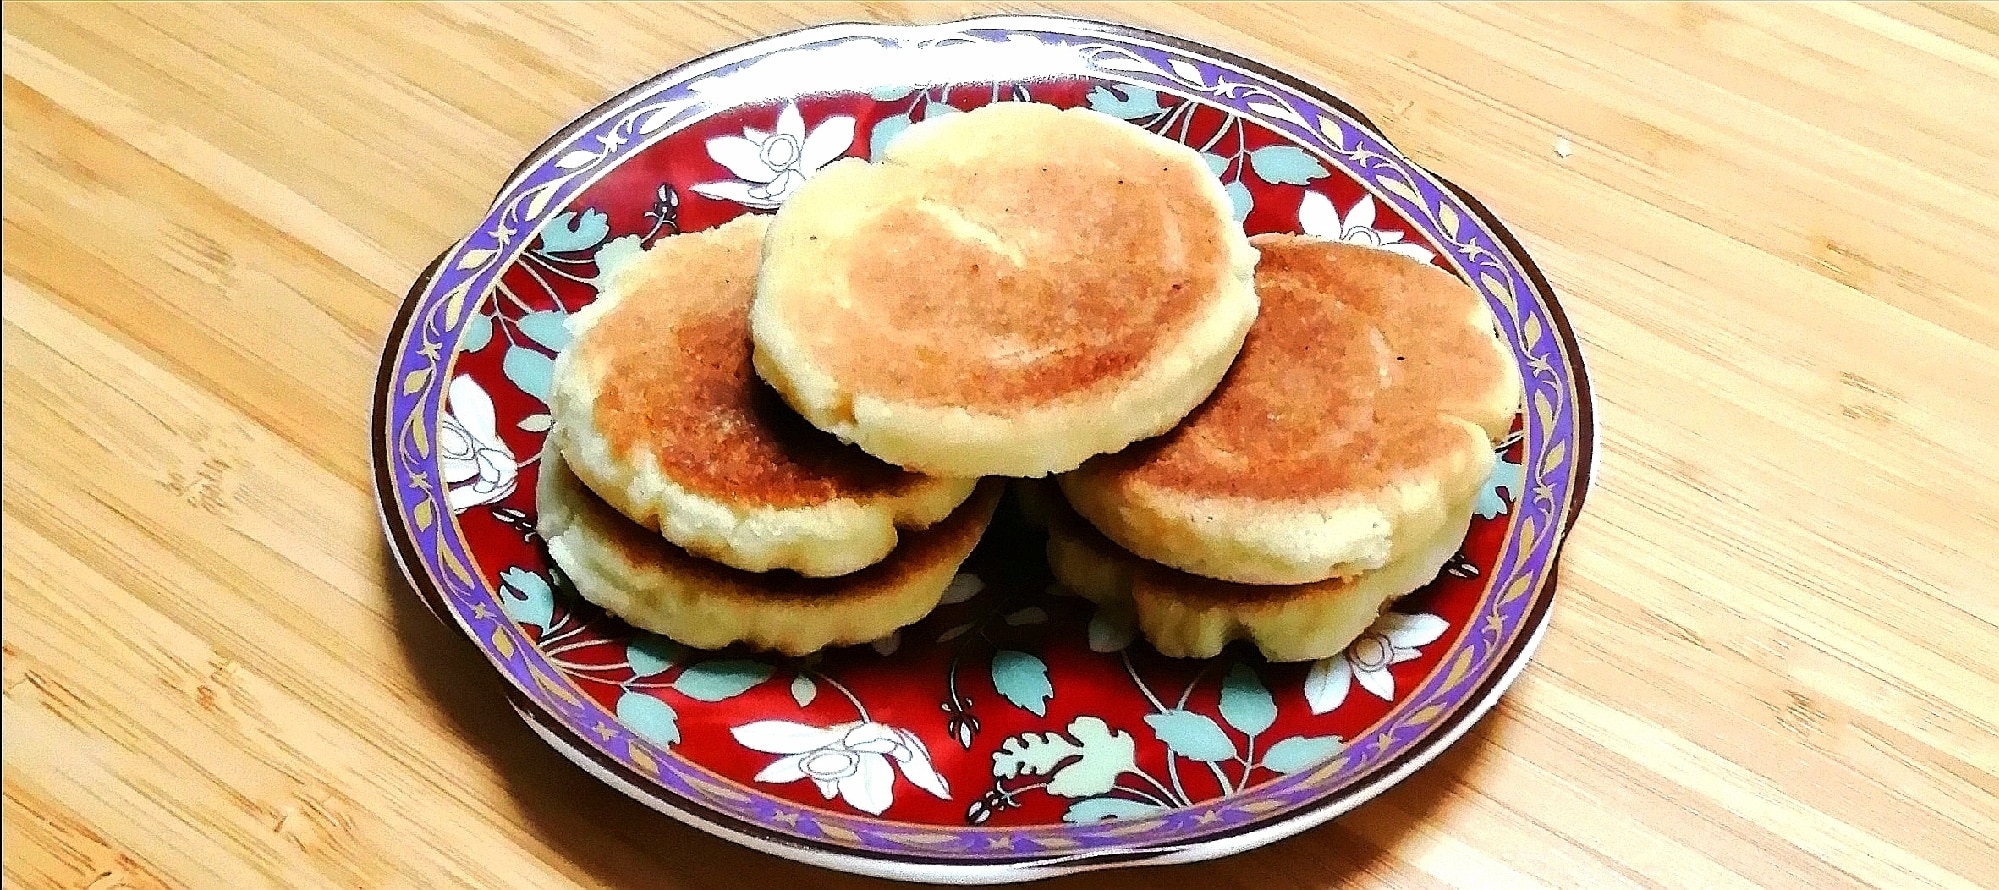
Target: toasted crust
(957,328)
(659,587)
(656,407)
(1362,411)
(1189,616)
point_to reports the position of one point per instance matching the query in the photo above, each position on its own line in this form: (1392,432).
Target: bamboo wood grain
(1776,228)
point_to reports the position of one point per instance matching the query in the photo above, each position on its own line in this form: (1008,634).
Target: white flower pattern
(1318,218)
(850,760)
(1394,638)
(478,467)
(769,166)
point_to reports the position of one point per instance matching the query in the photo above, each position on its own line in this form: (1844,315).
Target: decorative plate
(1015,733)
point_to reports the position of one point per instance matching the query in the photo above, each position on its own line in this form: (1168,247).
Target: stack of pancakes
(1333,470)
(774,432)
(677,491)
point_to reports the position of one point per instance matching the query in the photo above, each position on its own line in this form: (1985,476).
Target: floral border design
(415,378)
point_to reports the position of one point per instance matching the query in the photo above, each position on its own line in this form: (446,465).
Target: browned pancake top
(916,552)
(1342,385)
(677,384)
(1031,271)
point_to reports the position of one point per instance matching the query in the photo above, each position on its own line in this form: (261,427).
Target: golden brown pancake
(656,407)
(655,585)
(1005,292)
(1189,616)
(1356,424)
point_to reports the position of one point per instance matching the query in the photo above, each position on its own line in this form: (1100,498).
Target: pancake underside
(1188,616)
(657,586)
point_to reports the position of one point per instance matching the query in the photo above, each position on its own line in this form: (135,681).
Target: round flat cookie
(656,407)
(655,585)
(1356,425)
(1189,616)
(1004,292)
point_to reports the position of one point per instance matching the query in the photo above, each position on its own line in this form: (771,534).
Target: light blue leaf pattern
(717,680)
(890,93)
(1086,764)
(1246,704)
(614,255)
(478,333)
(1239,196)
(546,328)
(571,231)
(1286,164)
(1507,475)
(528,370)
(1097,809)
(1193,736)
(1029,615)
(526,597)
(650,654)
(1023,679)
(1125,102)
(1216,163)
(652,719)
(1112,628)
(1301,752)
(885,130)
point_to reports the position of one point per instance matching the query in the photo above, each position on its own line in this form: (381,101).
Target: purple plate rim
(408,393)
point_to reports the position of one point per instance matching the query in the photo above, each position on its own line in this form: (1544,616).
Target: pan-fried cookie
(1355,427)
(1004,292)
(656,407)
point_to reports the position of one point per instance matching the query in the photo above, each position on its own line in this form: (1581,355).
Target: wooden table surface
(1776,229)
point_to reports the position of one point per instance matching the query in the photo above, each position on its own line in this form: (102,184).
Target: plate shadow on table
(621,843)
